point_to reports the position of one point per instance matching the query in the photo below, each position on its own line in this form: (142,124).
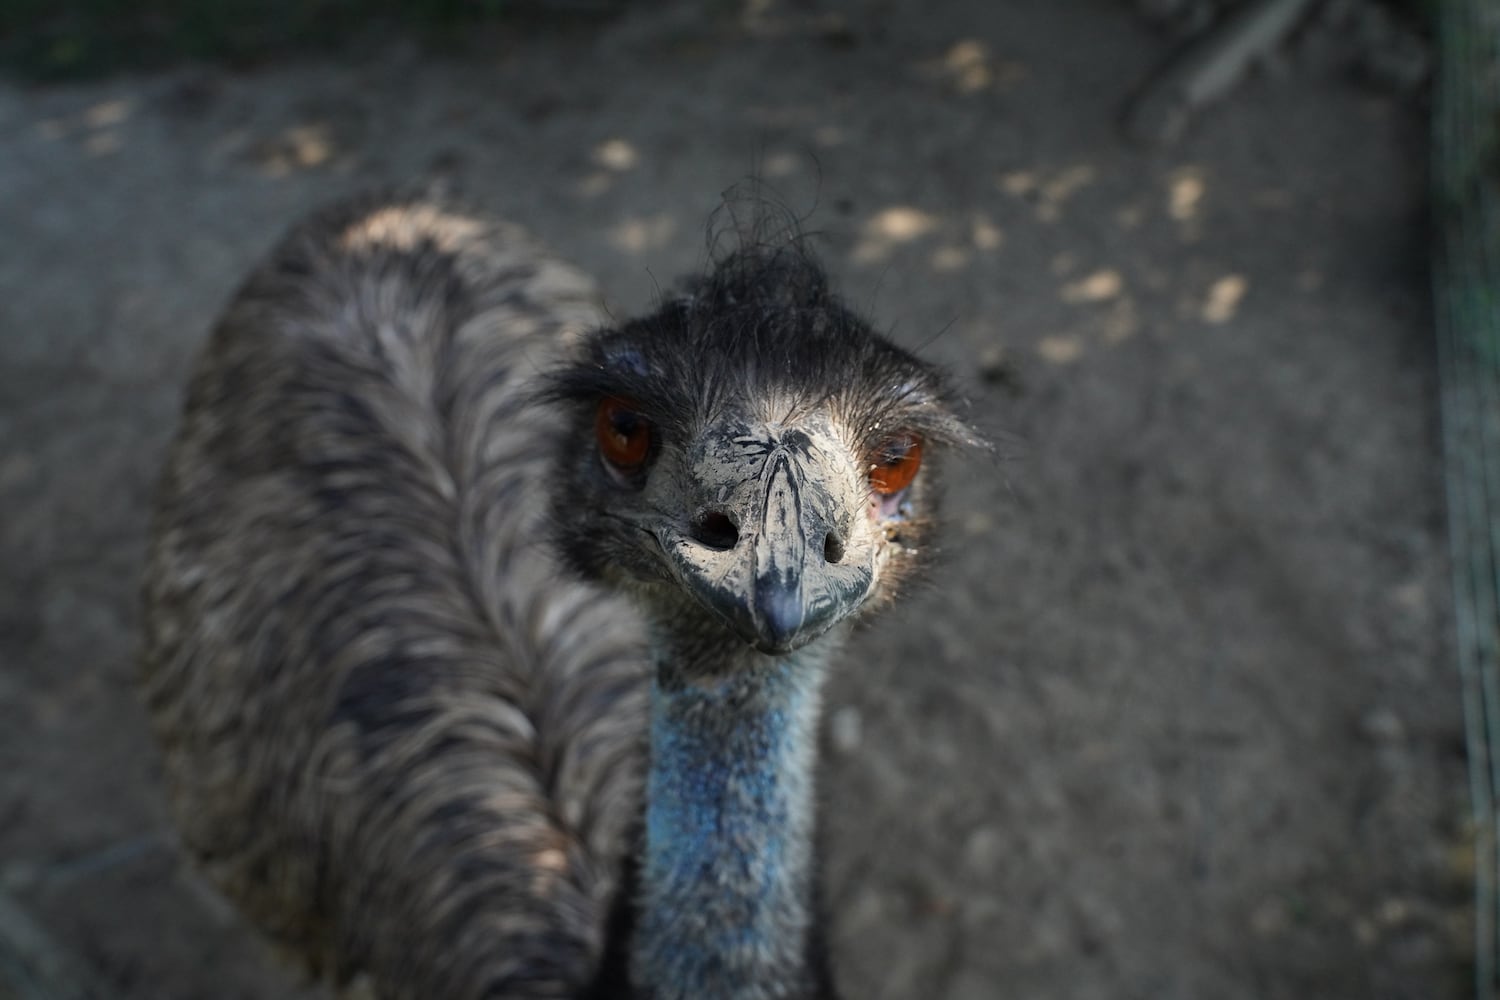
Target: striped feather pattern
(348,596)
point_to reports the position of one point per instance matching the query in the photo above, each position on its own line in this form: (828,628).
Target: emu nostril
(833,547)
(716,530)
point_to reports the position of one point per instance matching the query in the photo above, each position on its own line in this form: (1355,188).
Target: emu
(484,639)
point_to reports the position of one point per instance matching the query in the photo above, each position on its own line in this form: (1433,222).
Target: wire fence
(1466,218)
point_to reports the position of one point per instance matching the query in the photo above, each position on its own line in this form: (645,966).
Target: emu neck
(726,873)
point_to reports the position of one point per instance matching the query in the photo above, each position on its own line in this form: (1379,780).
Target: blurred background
(1178,716)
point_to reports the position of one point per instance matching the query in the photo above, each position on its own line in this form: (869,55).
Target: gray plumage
(406,632)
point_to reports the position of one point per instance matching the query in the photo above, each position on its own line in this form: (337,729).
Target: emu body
(484,641)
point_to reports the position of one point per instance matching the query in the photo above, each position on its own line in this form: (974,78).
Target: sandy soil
(1177,718)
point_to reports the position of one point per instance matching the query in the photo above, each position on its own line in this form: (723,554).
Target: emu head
(750,460)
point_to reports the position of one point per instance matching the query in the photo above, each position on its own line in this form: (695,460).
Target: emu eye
(624,435)
(894,463)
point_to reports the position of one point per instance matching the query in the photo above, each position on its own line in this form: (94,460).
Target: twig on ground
(1207,68)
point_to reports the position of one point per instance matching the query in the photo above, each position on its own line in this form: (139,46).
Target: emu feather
(413,645)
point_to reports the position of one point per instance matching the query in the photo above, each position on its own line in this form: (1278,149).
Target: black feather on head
(762,324)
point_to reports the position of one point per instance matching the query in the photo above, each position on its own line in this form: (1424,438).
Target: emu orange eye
(894,463)
(624,435)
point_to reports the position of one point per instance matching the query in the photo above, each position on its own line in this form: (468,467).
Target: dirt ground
(1177,717)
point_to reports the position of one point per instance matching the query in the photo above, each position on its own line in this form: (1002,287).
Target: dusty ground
(1176,720)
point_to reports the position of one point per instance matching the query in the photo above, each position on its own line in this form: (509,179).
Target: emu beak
(781,582)
(777,611)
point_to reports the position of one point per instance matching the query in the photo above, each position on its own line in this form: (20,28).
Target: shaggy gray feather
(348,607)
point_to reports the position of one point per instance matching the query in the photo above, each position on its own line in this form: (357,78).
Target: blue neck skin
(725,889)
